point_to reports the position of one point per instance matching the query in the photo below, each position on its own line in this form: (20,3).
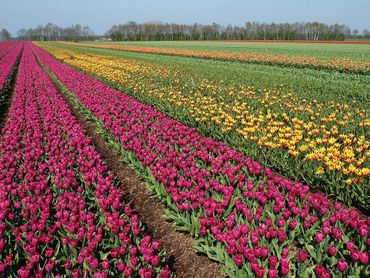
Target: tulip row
(62,213)
(269,59)
(251,220)
(6,47)
(7,64)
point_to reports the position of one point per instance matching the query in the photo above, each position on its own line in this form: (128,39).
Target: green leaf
(311,250)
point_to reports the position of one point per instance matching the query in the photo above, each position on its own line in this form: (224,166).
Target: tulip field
(322,140)
(268,176)
(61,211)
(346,65)
(9,55)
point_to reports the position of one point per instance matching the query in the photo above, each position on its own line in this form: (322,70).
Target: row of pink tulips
(250,219)
(61,210)
(6,47)
(8,61)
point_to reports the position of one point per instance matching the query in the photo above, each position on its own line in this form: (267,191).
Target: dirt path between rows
(179,247)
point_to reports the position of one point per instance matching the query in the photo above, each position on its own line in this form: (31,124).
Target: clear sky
(100,15)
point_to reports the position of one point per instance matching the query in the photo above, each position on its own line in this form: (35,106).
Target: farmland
(304,60)
(341,51)
(48,165)
(259,156)
(215,100)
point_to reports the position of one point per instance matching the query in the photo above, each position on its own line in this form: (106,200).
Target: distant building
(103,39)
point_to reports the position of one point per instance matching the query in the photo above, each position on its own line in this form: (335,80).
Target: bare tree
(22,34)
(5,35)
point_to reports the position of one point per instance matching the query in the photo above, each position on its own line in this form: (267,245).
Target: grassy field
(339,51)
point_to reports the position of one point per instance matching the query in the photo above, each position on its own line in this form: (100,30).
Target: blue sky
(100,15)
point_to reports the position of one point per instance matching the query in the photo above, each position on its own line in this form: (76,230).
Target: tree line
(5,35)
(157,31)
(52,32)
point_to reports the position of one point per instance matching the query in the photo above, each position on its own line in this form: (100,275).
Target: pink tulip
(303,255)
(319,237)
(342,265)
(293,224)
(2,245)
(272,273)
(128,271)
(121,267)
(350,245)
(238,259)
(337,233)
(50,265)
(273,260)
(332,250)
(364,258)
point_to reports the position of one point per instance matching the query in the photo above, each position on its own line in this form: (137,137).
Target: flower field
(267,183)
(6,47)
(345,65)
(251,220)
(324,143)
(9,54)
(61,209)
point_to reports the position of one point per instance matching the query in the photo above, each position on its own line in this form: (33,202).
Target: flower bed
(324,143)
(251,220)
(7,65)
(268,59)
(61,209)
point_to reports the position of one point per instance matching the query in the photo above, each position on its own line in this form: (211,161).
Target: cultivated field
(353,51)
(350,59)
(189,159)
(309,125)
